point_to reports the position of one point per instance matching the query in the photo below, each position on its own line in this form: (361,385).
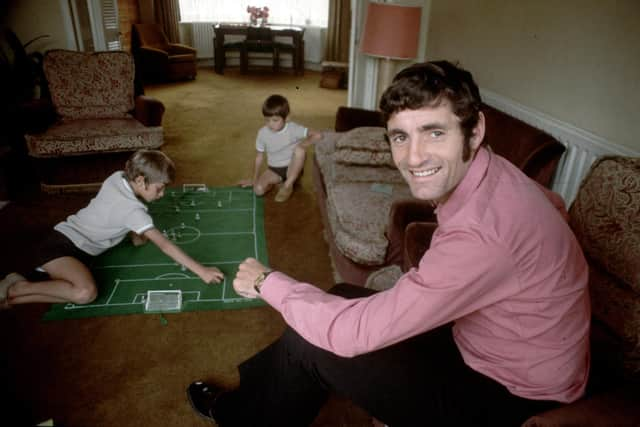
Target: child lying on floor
(117,210)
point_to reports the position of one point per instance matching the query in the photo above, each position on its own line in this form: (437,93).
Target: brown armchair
(157,59)
(99,117)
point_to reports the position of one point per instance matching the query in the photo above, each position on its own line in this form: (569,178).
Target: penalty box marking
(140,298)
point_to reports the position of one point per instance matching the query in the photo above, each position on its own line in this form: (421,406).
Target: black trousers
(422,381)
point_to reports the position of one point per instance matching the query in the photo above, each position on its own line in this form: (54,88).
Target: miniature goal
(163,301)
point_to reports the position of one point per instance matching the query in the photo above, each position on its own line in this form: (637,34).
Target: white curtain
(283,12)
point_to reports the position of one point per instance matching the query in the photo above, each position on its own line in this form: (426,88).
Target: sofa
(100,118)
(605,219)
(357,186)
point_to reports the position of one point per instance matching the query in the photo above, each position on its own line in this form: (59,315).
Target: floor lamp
(391,32)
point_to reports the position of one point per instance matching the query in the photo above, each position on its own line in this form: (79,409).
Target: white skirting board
(582,147)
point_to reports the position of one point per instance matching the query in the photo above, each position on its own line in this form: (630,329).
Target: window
(283,12)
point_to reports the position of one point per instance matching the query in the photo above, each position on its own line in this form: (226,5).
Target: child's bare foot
(10,280)
(284,193)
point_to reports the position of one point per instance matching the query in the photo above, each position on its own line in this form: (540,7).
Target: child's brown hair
(276,105)
(153,165)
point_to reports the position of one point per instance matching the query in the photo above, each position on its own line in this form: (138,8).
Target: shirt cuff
(275,289)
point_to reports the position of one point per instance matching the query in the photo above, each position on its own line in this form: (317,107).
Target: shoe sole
(195,409)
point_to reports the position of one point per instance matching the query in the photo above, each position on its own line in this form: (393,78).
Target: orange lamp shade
(391,31)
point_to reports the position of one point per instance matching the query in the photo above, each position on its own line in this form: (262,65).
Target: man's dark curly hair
(429,84)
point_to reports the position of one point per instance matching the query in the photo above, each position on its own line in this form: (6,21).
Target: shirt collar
(127,185)
(467,186)
(284,128)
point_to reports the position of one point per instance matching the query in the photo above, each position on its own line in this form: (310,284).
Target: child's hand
(211,275)
(245,183)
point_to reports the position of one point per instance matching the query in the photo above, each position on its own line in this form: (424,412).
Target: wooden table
(221,30)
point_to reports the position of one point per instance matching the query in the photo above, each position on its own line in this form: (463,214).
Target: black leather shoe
(202,397)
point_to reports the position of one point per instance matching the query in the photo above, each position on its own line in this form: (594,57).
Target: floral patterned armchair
(100,121)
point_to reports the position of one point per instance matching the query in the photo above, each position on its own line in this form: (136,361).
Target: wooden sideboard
(295,33)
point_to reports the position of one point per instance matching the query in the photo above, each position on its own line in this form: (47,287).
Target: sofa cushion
(94,135)
(618,307)
(334,171)
(357,173)
(358,217)
(364,146)
(604,217)
(90,85)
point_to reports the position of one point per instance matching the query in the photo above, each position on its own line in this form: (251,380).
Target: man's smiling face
(427,146)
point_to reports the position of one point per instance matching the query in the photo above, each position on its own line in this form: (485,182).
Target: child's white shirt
(279,145)
(109,217)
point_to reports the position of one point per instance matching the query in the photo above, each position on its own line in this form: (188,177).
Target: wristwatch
(257,284)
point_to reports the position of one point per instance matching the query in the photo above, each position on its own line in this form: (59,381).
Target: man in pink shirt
(491,328)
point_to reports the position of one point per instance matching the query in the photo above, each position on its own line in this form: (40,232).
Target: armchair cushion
(90,86)
(604,217)
(364,146)
(76,137)
(346,157)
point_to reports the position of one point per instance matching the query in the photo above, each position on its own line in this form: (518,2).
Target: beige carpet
(132,370)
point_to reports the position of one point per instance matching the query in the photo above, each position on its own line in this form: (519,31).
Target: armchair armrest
(148,110)
(180,49)
(403,213)
(153,53)
(541,165)
(348,118)
(417,239)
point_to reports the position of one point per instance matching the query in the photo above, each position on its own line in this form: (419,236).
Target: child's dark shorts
(57,245)
(282,172)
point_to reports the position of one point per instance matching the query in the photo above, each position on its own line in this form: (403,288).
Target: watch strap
(257,284)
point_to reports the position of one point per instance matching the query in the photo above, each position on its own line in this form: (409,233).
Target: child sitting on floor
(118,209)
(285,144)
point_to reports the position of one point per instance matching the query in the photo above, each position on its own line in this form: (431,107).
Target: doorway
(95,24)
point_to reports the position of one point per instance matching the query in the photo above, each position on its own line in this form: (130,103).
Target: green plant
(21,74)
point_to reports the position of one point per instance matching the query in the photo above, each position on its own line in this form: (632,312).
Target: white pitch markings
(161,265)
(255,237)
(113,291)
(172,276)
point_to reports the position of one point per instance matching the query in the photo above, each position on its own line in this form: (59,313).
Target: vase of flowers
(256,13)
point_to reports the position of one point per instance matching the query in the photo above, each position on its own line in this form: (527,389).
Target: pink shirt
(503,264)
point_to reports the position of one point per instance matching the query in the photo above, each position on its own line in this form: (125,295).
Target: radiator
(573,166)
(199,35)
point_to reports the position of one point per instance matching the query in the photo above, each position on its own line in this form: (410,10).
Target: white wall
(577,61)
(32,18)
